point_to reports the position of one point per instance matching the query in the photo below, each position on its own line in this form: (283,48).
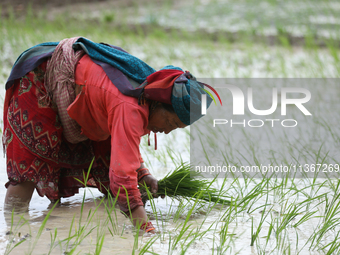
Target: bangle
(147,227)
(141,169)
(141,172)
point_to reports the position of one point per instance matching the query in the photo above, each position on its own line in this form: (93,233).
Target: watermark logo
(204,98)
(240,101)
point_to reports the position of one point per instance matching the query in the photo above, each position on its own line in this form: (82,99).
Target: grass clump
(185,183)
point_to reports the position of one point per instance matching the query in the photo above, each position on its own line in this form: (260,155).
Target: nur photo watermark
(268,127)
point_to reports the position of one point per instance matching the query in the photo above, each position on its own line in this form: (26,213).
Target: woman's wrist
(141,172)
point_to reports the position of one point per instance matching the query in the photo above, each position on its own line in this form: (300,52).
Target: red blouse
(103,111)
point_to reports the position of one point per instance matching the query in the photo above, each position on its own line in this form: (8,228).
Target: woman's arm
(126,131)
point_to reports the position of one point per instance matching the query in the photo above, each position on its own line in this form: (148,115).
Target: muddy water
(121,241)
(26,226)
(61,218)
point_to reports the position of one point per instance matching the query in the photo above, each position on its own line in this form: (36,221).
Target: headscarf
(180,89)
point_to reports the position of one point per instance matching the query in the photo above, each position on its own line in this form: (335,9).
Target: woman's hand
(151,182)
(139,218)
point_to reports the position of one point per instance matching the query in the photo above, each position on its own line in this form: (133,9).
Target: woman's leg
(32,134)
(19,196)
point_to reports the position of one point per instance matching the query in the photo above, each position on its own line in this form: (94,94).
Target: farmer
(69,102)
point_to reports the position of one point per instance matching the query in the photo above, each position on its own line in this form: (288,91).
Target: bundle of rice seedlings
(183,183)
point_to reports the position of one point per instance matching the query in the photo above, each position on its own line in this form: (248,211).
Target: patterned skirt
(36,149)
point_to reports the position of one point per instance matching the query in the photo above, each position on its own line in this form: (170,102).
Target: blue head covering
(186,97)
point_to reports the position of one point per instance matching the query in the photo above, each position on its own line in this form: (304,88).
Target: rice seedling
(14,230)
(183,183)
(255,234)
(42,227)
(53,241)
(225,238)
(330,220)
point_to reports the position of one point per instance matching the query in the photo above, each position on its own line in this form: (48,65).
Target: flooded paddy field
(269,215)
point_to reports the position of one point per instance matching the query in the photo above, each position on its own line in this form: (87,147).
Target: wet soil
(21,4)
(19,8)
